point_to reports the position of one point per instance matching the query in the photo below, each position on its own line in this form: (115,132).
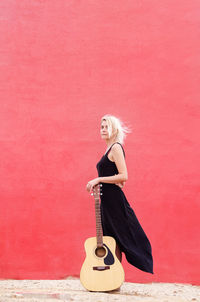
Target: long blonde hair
(116,126)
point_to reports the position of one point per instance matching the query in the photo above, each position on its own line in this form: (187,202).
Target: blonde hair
(116,126)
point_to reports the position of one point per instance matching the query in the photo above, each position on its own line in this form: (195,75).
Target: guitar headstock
(96,191)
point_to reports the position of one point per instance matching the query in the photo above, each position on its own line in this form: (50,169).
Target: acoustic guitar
(101,270)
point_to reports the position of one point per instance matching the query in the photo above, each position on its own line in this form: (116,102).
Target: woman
(118,218)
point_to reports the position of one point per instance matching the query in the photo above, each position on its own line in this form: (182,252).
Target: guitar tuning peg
(101,193)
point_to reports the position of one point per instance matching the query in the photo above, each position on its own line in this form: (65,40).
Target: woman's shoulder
(117,147)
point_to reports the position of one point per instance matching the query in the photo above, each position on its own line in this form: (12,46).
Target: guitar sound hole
(100,251)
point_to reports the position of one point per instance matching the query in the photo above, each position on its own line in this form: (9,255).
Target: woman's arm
(122,176)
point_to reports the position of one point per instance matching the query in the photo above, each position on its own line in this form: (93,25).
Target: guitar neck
(99,231)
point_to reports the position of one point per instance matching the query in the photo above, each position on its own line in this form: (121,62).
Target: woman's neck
(110,143)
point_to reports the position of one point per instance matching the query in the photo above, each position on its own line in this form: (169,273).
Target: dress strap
(111,148)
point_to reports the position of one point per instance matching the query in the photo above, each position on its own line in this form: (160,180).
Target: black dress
(120,221)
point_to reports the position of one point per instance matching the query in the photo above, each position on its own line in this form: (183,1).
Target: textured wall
(63,65)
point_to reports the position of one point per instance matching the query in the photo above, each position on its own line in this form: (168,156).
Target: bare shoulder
(117,149)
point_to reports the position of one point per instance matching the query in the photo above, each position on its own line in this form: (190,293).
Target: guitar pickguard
(109,259)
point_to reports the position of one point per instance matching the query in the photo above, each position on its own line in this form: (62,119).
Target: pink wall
(63,65)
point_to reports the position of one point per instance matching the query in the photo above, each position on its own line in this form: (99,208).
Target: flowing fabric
(120,221)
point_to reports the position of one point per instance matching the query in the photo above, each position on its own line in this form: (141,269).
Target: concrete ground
(72,290)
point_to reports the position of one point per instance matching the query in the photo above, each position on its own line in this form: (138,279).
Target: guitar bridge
(101,268)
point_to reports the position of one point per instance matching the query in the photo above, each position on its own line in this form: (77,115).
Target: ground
(71,290)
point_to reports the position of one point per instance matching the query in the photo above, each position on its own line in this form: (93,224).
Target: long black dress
(120,221)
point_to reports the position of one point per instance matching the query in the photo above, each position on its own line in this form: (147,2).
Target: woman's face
(104,130)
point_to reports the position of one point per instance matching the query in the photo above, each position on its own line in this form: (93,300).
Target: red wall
(63,65)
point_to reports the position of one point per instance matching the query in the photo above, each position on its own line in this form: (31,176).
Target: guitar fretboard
(99,231)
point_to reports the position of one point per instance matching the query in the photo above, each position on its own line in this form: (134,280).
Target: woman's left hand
(121,184)
(92,183)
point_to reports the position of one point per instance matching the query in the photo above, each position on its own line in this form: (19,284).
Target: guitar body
(101,270)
